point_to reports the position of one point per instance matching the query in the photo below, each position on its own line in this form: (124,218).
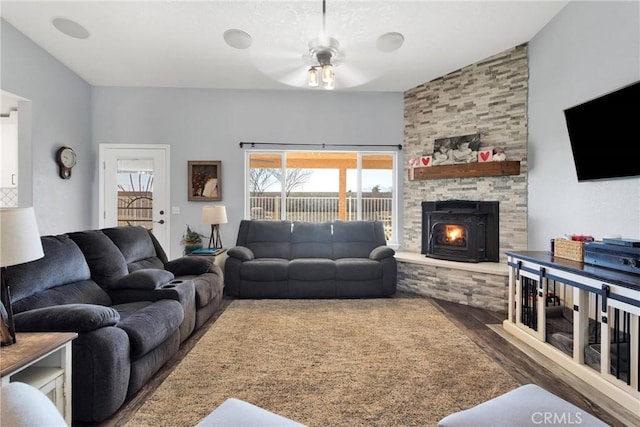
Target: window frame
(393,237)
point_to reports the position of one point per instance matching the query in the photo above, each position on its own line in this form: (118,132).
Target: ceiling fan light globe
(330,84)
(312,77)
(327,73)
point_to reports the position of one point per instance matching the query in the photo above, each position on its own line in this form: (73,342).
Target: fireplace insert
(461,230)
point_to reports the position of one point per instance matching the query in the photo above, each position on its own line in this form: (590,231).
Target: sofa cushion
(149,324)
(136,246)
(358,269)
(146,278)
(62,276)
(83,292)
(106,262)
(266,239)
(312,269)
(311,240)
(356,239)
(265,269)
(63,263)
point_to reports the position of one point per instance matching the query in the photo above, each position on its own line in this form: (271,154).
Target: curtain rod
(253,144)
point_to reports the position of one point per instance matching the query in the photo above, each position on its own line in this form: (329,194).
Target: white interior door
(134,188)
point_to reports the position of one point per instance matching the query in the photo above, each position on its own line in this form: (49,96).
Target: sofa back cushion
(311,240)
(356,239)
(106,262)
(136,246)
(266,239)
(62,276)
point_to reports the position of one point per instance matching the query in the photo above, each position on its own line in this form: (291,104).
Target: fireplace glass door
(450,236)
(457,236)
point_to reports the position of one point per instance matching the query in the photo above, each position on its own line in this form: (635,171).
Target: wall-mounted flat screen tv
(605,135)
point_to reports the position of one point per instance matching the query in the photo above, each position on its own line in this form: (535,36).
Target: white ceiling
(180,44)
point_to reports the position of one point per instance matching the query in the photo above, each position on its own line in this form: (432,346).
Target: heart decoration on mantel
(425,161)
(485,155)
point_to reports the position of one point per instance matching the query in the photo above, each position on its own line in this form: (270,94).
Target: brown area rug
(363,362)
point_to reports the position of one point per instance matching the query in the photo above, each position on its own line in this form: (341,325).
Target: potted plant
(191,240)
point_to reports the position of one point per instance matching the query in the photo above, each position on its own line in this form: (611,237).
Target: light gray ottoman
(528,405)
(238,413)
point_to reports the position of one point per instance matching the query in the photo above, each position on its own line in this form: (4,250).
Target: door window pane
(135,192)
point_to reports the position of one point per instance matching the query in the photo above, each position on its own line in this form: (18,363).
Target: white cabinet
(9,151)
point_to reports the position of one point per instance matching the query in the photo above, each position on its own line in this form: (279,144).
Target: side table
(218,258)
(42,360)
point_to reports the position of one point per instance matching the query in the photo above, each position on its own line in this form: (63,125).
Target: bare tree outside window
(295,178)
(260,179)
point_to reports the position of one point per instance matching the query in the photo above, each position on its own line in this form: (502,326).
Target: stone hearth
(483,284)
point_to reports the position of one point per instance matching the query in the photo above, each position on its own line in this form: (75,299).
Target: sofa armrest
(241,252)
(179,290)
(381,252)
(146,278)
(189,266)
(66,318)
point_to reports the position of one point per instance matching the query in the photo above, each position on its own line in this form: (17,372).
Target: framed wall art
(204,181)
(457,149)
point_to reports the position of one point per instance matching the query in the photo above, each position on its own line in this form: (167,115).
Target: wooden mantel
(466,170)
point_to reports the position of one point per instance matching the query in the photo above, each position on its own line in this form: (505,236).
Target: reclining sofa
(284,259)
(130,306)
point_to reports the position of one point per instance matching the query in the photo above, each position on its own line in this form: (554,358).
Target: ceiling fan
(316,67)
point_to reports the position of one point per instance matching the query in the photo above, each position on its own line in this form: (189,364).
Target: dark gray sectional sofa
(284,259)
(130,306)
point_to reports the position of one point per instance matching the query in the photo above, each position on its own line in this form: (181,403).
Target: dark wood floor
(474,323)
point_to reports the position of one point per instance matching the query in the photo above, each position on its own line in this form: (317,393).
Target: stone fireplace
(461,230)
(490,98)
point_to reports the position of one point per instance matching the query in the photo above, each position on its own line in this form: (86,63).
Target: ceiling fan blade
(356,57)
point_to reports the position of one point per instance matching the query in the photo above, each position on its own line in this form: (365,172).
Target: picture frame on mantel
(204,181)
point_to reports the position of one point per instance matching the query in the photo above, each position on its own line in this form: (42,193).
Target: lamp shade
(19,237)
(214,215)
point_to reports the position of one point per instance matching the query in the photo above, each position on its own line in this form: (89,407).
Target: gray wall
(201,124)
(58,113)
(589,49)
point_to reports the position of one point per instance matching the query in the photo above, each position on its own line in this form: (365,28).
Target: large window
(322,186)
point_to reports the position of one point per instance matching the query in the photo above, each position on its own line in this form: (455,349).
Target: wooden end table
(42,360)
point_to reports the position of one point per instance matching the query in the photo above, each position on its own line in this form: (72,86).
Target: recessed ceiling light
(70,28)
(237,39)
(388,42)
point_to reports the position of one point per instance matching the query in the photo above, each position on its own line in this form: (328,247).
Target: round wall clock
(66,159)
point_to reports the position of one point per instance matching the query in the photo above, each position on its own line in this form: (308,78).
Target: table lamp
(214,215)
(19,243)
